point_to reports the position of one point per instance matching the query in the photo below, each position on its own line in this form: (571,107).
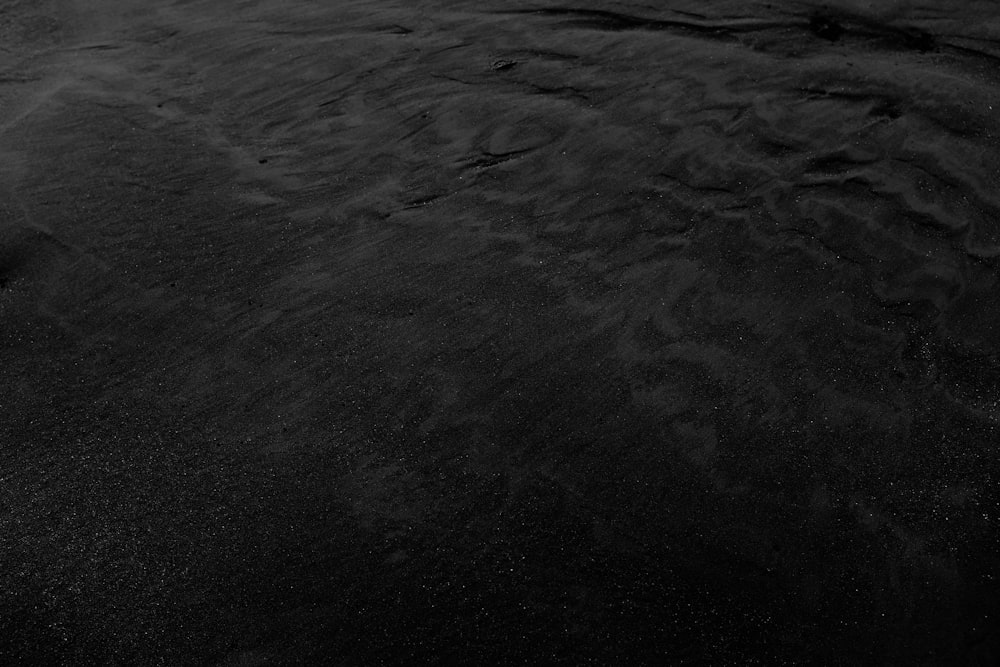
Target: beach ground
(462,332)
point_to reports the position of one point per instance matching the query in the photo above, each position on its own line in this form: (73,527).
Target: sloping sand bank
(499,332)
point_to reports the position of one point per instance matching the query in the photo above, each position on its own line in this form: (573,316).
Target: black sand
(464,332)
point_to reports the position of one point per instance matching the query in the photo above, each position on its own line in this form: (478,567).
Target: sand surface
(406,332)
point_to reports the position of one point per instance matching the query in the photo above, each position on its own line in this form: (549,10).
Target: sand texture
(501,332)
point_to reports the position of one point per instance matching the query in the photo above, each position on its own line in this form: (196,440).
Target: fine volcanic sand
(468,332)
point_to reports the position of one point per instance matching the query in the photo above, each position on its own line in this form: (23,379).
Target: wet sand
(478,333)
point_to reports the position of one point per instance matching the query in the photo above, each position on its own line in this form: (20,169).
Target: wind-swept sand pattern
(471,333)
